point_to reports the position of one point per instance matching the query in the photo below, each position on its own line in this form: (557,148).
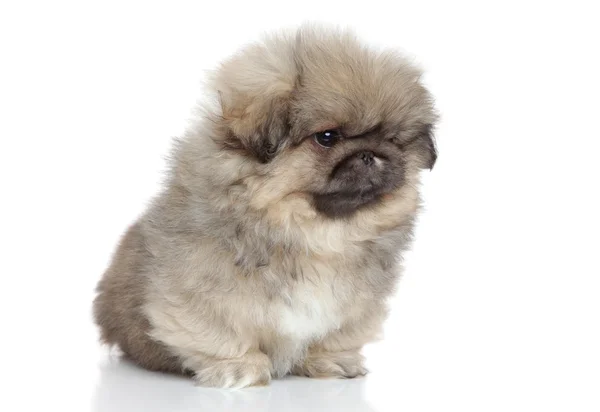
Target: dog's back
(118,306)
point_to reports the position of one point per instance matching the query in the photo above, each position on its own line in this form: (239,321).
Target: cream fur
(233,275)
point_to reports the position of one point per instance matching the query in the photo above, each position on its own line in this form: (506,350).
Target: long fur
(233,275)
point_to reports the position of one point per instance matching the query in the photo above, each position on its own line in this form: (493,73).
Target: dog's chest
(309,310)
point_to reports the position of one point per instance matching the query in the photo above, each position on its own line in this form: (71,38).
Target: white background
(499,308)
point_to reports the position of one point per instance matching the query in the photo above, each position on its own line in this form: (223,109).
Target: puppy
(278,235)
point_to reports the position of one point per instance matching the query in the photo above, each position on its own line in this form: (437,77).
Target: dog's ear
(421,143)
(254,93)
(427,146)
(257,125)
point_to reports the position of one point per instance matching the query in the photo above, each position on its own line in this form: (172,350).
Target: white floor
(123,387)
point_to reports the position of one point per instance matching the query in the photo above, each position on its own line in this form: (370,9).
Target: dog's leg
(250,369)
(338,354)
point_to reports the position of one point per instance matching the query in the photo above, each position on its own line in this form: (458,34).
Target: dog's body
(269,252)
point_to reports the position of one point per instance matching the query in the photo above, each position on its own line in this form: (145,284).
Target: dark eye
(327,138)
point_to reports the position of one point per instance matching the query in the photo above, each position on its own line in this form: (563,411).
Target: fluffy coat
(236,274)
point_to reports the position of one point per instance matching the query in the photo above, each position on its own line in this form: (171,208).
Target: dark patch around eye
(327,138)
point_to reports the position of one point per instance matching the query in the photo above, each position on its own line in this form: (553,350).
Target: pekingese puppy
(277,238)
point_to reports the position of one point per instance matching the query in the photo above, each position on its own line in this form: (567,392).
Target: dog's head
(318,116)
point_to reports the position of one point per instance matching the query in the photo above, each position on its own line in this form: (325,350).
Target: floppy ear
(254,91)
(427,146)
(256,125)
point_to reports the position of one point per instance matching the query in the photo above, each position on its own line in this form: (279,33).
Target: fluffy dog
(279,233)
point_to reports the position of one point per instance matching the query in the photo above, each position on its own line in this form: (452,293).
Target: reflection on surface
(125,387)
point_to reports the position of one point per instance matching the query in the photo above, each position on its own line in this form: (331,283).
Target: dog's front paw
(346,364)
(248,370)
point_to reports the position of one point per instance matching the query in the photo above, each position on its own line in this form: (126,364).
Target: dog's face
(319,116)
(355,170)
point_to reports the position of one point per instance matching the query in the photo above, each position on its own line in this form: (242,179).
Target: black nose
(367,157)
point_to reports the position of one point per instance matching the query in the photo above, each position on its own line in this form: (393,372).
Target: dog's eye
(327,138)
